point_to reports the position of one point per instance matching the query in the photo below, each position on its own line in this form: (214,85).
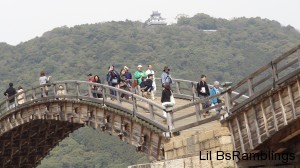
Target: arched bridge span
(28,131)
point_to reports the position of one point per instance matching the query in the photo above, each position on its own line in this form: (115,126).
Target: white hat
(139,66)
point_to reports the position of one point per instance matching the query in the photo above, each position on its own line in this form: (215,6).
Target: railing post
(274,73)
(54,90)
(66,88)
(151,111)
(170,120)
(33,93)
(178,87)
(298,53)
(193,91)
(90,90)
(197,108)
(77,90)
(118,96)
(134,107)
(103,92)
(250,87)
(25,99)
(7,103)
(228,104)
(16,100)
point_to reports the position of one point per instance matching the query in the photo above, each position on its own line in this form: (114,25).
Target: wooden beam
(265,119)
(118,96)
(141,140)
(193,90)
(248,130)
(96,118)
(232,136)
(158,147)
(274,71)
(150,145)
(282,108)
(273,113)
(134,106)
(131,131)
(292,101)
(122,127)
(177,84)
(292,135)
(298,53)
(151,110)
(113,124)
(240,135)
(298,86)
(197,108)
(250,87)
(256,124)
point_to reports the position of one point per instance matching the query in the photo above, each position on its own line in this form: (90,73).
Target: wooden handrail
(74,89)
(272,76)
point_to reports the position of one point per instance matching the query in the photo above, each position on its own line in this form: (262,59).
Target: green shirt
(138,76)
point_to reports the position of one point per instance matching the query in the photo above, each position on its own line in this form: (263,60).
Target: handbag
(114,81)
(134,83)
(172,100)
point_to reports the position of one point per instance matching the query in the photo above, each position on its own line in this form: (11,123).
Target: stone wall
(191,144)
(189,162)
(184,151)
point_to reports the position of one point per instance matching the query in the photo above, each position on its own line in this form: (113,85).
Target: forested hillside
(235,49)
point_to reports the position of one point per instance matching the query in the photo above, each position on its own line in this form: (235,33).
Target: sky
(22,20)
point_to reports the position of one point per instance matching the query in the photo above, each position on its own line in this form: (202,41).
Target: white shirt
(43,80)
(150,72)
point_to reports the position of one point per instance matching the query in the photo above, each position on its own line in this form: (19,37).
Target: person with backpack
(113,78)
(166,77)
(203,92)
(10,91)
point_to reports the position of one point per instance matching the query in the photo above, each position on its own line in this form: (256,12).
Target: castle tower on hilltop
(155,19)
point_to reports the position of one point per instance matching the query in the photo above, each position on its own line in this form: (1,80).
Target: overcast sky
(22,20)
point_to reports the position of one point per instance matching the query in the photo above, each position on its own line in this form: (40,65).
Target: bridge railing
(255,83)
(187,89)
(81,90)
(127,100)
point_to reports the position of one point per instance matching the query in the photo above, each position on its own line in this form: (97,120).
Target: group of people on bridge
(141,82)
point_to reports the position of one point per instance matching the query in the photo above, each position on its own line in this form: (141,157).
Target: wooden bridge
(28,131)
(268,121)
(261,110)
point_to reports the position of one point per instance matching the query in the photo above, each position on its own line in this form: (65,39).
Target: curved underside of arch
(27,144)
(30,131)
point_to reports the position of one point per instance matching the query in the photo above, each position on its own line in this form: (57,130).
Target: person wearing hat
(138,75)
(127,73)
(166,76)
(9,93)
